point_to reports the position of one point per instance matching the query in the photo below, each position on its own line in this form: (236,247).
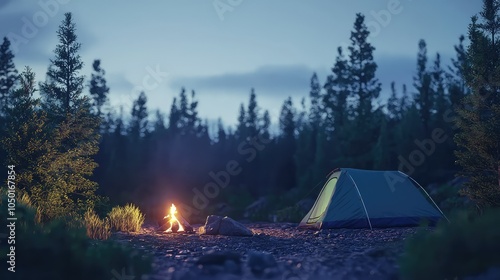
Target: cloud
(285,80)
(279,79)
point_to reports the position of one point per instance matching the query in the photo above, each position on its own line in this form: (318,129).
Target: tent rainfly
(354,198)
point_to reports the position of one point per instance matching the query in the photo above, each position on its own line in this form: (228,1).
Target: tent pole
(362,202)
(426,194)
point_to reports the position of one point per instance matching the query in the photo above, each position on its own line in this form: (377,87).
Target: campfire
(175,222)
(175,225)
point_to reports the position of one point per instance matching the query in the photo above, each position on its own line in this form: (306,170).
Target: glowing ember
(172,219)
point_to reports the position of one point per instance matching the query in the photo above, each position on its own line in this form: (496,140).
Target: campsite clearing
(298,254)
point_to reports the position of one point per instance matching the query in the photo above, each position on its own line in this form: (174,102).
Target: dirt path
(276,251)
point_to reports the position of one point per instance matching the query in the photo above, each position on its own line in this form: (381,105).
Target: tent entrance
(323,201)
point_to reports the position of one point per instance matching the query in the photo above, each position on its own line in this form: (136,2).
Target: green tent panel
(354,198)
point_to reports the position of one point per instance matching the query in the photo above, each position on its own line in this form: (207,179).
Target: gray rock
(231,227)
(262,263)
(212,225)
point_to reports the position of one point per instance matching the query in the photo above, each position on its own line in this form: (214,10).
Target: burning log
(175,222)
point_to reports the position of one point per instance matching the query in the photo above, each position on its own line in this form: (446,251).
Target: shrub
(465,247)
(97,228)
(52,250)
(128,218)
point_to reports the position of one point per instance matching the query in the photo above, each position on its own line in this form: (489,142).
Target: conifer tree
(422,82)
(252,116)
(365,88)
(98,88)
(26,141)
(67,187)
(479,118)
(139,118)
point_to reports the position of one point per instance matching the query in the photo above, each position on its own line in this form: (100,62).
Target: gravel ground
(276,251)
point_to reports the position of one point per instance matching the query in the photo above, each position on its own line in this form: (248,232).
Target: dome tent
(354,198)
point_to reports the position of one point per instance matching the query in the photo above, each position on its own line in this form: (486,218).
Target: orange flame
(172,219)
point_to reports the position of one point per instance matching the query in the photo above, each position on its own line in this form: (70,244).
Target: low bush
(467,246)
(54,250)
(97,228)
(128,218)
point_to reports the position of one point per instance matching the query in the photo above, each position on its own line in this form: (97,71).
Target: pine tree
(26,141)
(266,123)
(195,126)
(479,118)
(8,75)
(221,133)
(67,187)
(241,128)
(286,145)
(315,111)
(422,83)
(382,149)
(174,118)
(365,88)
(337,92)
(405,102)
(287,120)
(252,117)
(63,88)
(393,106)
(98,88)
(138,127)
(441,103)
(159,124)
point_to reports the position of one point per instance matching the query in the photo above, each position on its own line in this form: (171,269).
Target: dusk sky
(273,46)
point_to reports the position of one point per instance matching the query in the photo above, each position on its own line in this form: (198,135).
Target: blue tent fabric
(370,199)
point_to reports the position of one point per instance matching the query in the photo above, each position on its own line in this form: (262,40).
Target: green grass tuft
(128,218)
(97,228)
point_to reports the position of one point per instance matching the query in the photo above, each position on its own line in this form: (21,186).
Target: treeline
(341,123)
(68,142)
